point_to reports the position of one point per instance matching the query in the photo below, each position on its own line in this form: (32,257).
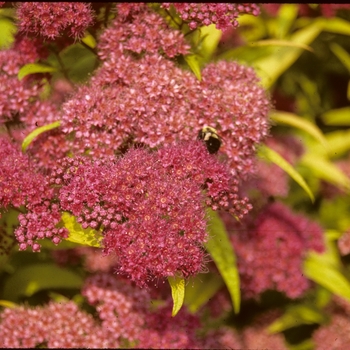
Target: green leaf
(335,25)
(297,315)
(30,279)
(272,156)
(193,63)
(273,66)
(283,43)
(89,40)
(80,235)
(287,14)
(221,251)
(177,285)
(342,55)
(318,269)
(300,123)
(210,40)
(29,138)
(7,32)
(337,117)
(32,68)
(326,170)
(8,304)
(201,289)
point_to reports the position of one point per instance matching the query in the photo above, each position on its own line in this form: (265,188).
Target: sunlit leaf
(7,32)
(32,68)
(80,235)
(221,251)
(30,279)
(327,275)
(287,13)
(335,25)
(193,63)
(326,170)
(29,139)
(272,156)
(89,40)
(211,38)
(342,55)
(300,123)
(177,285)
(283,43)
(336,117)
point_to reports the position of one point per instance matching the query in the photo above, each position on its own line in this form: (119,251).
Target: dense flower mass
(25,327)
(150,205)
(52,20)
(222,15)
(270,254)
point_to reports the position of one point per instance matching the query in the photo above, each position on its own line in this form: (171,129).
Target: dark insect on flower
(211,138)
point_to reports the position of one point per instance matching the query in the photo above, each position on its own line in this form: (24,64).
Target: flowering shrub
(178,171)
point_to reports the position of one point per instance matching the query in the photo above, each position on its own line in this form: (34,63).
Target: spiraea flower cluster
(222,15)
(51,20)
(150,205)
(270,254)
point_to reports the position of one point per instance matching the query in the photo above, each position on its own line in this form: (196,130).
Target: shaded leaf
(30,279)
(177,285)
(201,289)
(29,138)
(221,251)
(272,156)
(342,55)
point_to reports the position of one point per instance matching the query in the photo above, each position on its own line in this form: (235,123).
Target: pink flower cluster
(270,254)
(149,205)
(56,325)
(224,15)
(52,20)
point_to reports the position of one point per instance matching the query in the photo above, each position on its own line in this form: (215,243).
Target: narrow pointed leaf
(32,68)
(29,139)
(221,251)
(193,63)
(272,156)
(177,285)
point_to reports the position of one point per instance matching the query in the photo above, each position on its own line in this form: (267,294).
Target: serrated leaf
(318,269)
(29,139)
(177,285)
(32,68)
(272,156)
(326,170)
(300,123)
(221,251)
(80,235)
(30,279)
(336,117)
(193,63)
(296,315)
(201,289)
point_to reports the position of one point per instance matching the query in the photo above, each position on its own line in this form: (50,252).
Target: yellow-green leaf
(336,117)
(283,43)
(32,68)
(326,170)
(29,138)
(7,32)
(211,37)
(221,251)
(318,269)
(177,285)
(193,63)
(300,123)
(89,40)
(272,156)
(342,55)
(80,235)
(8,304)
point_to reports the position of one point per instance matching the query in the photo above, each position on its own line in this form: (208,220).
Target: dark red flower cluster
(270,254)
(223,15)
(53,19)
